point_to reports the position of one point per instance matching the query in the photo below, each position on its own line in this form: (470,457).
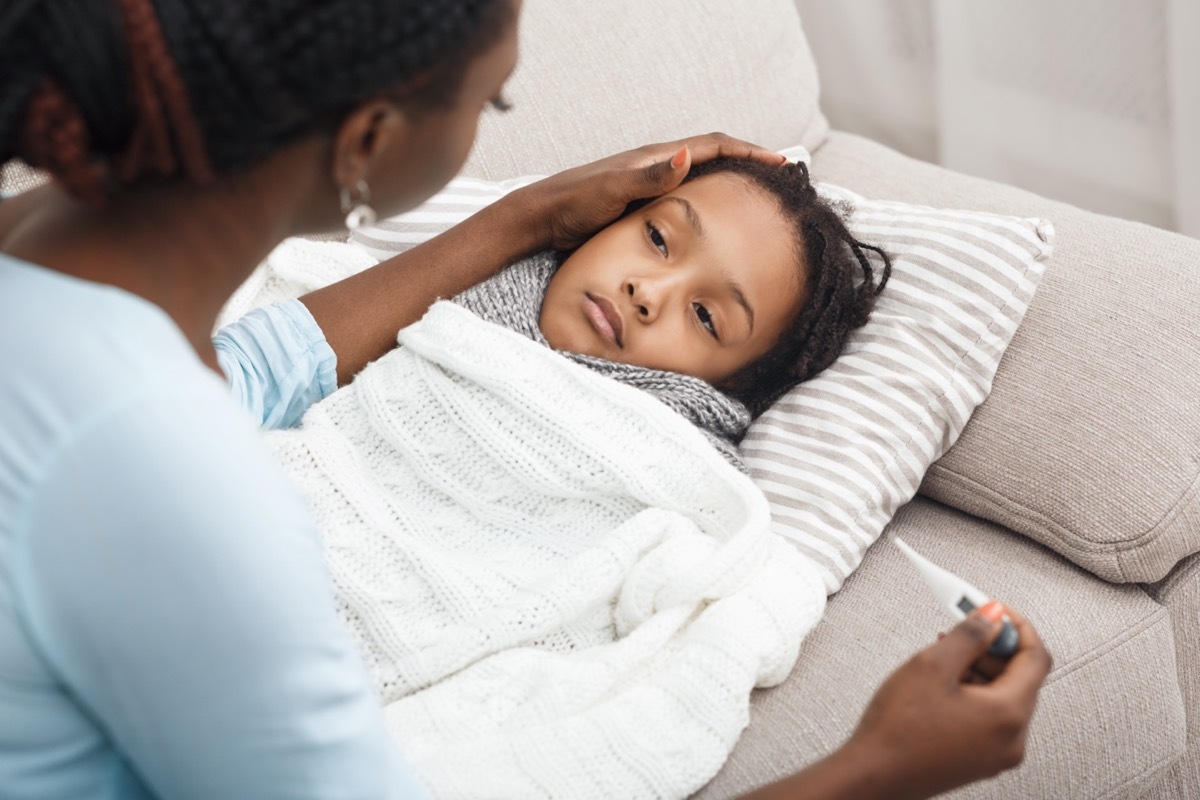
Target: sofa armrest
(1090,440)
(1179,592)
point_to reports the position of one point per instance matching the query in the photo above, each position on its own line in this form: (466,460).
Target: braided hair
(107,94)
(841,283)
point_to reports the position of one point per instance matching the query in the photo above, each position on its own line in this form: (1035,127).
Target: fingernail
(992,611)
(680,158)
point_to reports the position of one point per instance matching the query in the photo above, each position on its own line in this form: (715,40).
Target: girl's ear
(363,136)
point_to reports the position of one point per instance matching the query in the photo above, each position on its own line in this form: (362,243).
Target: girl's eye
(705,319)
(656,238)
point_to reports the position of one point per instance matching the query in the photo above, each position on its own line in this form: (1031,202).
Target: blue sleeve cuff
(277,362)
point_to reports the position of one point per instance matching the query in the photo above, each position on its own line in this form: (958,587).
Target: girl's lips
(604,317)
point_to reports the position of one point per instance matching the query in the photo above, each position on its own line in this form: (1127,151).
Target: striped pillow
(461,198)
(839,454)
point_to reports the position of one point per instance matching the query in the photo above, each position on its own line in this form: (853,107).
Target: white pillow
(839,454)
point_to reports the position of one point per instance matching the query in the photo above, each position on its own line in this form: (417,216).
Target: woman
(167,627)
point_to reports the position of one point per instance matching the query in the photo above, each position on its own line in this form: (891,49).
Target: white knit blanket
(560,587)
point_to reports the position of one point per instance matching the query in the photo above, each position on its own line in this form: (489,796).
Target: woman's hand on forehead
(578,202)
(719,145)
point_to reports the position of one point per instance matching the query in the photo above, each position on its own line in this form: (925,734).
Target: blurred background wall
(1094,102)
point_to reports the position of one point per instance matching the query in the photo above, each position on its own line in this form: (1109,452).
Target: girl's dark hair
(109,93)
(840,283)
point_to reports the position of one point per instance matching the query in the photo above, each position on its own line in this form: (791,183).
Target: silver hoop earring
(357,208)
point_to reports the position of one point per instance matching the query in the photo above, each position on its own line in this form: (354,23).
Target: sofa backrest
(1090,439)
(646,69)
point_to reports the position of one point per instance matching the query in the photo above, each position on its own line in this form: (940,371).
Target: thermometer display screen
(966,605)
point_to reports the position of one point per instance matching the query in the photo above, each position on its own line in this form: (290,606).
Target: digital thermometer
(959,597)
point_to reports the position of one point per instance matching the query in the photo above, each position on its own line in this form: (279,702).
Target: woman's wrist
(361,314)
(529,213)
(858,770)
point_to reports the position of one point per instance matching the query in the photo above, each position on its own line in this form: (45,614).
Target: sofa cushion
(598,77)
(1114,665)
(1090,439)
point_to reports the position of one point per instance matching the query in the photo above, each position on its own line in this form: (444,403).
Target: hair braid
(109,93)
(162,100)
(56,138)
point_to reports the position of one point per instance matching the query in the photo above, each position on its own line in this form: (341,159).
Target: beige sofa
(1073,493)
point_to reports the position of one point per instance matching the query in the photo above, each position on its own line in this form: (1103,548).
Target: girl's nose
(646,297)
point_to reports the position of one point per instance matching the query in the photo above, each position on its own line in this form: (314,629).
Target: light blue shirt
(167,624)
(277,362)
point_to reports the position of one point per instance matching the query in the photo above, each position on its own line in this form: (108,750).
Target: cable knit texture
(560,588)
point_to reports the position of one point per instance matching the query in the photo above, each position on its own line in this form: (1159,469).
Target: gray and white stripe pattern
(461,198)
(838,455)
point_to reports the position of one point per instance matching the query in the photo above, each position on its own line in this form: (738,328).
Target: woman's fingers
(576,203)
(661,176)
(946,723)
(704,147)
(1031,669)
(1027,668)
(719,145)
(672,160)
(965,644)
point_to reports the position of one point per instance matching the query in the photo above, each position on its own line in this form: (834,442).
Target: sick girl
(717,297)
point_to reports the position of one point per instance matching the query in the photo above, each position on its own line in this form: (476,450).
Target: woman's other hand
(572,205)
(938,722)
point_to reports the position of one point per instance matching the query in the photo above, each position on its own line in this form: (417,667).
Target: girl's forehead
(741,231)
(735,215)
(724,189)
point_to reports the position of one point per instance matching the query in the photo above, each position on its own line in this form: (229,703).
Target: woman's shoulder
(94,369)
(74,347)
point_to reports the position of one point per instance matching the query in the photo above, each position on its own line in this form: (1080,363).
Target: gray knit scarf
(513,298)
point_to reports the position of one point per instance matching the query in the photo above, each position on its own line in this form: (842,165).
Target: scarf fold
(513,298)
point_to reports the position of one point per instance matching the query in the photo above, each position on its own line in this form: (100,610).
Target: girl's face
(702,282)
